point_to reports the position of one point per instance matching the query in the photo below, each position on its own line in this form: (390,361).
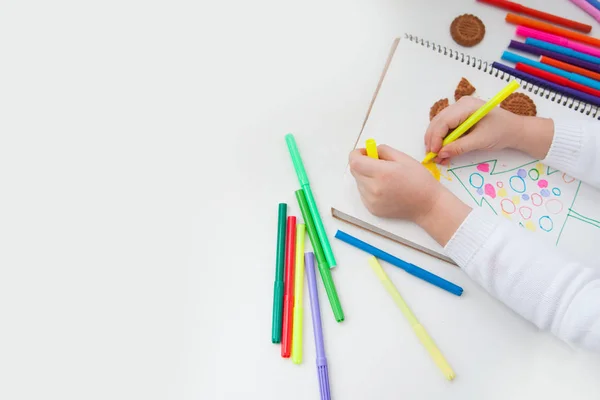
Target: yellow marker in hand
(475,117)
(372,149)
(421,333)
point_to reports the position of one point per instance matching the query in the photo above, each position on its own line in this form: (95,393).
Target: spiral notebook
(548,202)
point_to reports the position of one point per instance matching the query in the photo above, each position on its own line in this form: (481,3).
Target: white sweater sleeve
(575,150)
(530,276)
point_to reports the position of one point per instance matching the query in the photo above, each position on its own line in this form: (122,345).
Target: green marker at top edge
(312,204)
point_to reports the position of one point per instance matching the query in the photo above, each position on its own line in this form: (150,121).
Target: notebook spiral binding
(574,104)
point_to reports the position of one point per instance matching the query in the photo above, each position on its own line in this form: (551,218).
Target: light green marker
(312,204)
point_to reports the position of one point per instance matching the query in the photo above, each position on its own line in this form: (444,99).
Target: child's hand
(498,130)
(396,185)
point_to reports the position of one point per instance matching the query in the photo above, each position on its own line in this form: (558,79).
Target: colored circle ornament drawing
(490,191)
(478,176)
(546,223)
(525,212)
(534,171)
(556,191)
(508,206)
(567,179)
(517,184)
(536,199)
(500,184)
(554,206)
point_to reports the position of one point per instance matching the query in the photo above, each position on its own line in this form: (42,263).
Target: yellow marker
(475,117)
(298,292)
(372,149)
(421,333)
(435,171)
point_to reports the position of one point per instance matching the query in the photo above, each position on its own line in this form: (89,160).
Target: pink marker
(588,8)
(559,40)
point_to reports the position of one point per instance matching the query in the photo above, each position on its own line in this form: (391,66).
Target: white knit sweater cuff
(471,236)
(565,150)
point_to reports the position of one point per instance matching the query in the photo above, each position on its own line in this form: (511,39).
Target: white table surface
(141,162)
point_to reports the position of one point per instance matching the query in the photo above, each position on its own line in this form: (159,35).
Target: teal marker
(312,204)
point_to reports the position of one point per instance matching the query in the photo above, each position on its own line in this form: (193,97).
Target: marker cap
(296,159)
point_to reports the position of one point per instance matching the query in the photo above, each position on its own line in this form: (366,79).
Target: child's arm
(575,150)
(531,277)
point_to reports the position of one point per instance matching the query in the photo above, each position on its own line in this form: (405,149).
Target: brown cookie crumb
(520,104)
(437,107)
(464,88)
(467,30)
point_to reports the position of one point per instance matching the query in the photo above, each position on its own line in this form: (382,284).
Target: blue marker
(408,267)
(562,50)
(584,80)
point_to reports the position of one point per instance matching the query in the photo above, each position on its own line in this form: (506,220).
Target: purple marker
(309,261)
(544,84)
(527,48)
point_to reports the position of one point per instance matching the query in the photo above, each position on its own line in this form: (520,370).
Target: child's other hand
(498,130)
(396,185)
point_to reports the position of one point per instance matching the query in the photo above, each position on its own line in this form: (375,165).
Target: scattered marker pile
(292,261)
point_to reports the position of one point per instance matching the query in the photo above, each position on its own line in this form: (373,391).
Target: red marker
(288,288)
(557,79)
(521,9)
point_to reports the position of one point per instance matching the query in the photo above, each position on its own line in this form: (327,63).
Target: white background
(141,162)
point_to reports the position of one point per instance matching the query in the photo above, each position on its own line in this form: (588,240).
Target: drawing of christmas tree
(535,196)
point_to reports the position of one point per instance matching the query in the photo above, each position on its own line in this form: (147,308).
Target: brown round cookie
(520,104)
(467,30)
(437,107)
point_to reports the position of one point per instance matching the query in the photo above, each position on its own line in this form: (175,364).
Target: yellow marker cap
(372,149)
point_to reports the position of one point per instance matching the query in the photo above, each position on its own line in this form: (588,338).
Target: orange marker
(543,26)
(571,68)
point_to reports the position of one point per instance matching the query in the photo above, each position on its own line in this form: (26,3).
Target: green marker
(312,204)
(321,261)
(279,270)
